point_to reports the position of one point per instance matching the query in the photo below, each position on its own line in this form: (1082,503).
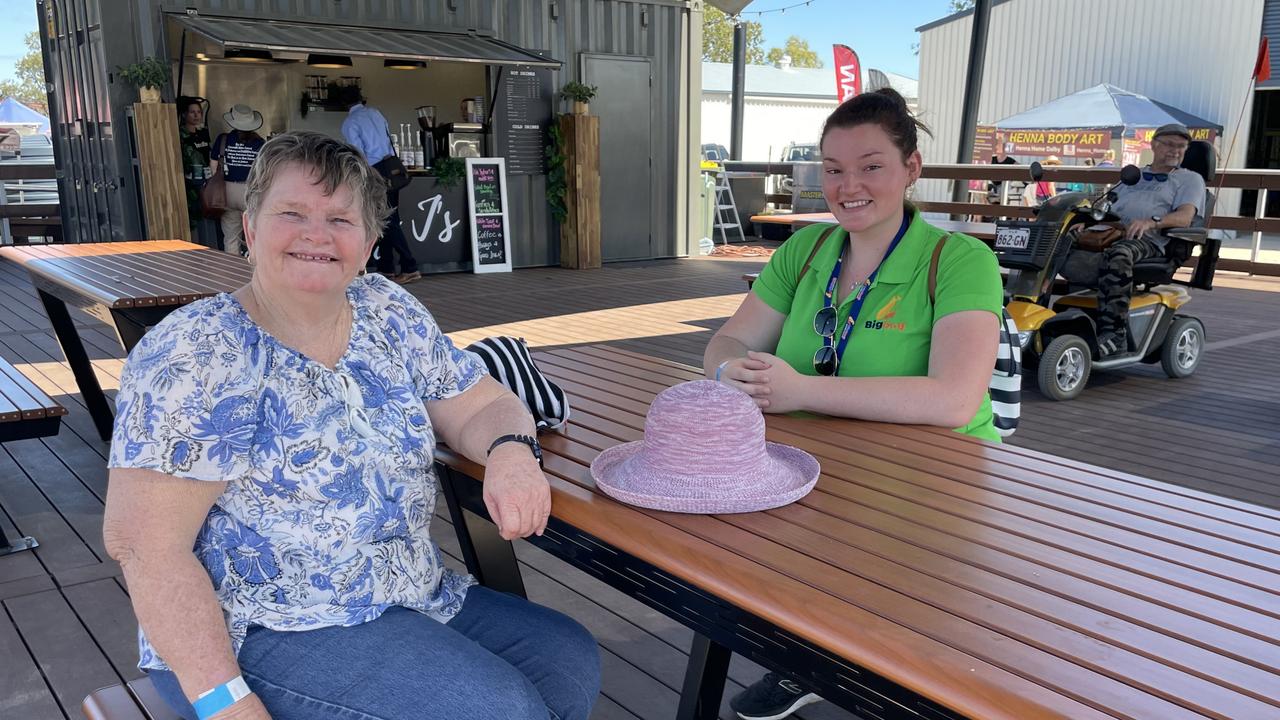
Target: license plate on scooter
(1013,238)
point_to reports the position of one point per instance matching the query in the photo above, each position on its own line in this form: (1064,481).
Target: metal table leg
(73,348)
(489,558)
(704,680)
(22,543)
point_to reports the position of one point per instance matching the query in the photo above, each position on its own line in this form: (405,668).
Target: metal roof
(793,81)
(285,35)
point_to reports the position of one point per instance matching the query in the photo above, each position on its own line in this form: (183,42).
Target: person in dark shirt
(193,138)
(999,158)
(237,149)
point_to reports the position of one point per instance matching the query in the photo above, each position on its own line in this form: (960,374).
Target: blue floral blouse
(330,491)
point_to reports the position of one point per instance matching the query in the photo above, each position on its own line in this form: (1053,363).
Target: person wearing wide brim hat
(243,118)
(234,152)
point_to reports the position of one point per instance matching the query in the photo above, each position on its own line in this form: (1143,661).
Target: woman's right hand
(249,707)
(747,375)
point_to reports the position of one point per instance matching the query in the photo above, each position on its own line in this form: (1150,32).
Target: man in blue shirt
(367,130)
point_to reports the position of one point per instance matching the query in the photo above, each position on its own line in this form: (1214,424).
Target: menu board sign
(522,113)
(487,205)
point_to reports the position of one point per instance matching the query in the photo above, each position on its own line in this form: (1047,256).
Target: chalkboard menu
(487,203)
(522,113)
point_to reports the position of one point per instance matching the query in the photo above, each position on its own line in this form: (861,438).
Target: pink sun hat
(704,452)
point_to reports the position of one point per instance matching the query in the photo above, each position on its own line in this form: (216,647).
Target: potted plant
(148,76)
(580,94)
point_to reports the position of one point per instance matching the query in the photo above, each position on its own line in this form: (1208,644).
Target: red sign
(848,73)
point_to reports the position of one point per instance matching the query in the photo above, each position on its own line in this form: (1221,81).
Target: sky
(19,19)
(882,33)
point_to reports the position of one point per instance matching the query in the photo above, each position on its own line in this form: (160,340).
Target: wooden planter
(580,231)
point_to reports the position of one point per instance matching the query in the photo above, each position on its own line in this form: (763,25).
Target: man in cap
(1167,196)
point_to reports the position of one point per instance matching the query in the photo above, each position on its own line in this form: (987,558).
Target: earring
(249,259)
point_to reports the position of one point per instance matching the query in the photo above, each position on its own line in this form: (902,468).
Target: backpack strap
(812,253)
(933,266)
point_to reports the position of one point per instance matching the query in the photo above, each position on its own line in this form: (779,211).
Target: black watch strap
(529,440)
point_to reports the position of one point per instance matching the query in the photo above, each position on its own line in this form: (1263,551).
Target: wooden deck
(67,628)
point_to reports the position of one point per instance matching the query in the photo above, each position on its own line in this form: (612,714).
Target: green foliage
(150,72)
(578,92)
(28,87)
(961,5)
(717,38)
(449,171)
(802,56)
(557,187)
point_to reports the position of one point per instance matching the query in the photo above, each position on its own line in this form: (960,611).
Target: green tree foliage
(960,5)
(28,88)
(802,56)
(717,38)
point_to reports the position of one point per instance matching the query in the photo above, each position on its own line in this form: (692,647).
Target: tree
(28,89)
(717,38)
(801,54)
(961,5)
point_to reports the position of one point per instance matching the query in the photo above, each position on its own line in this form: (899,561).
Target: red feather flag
(1262,68)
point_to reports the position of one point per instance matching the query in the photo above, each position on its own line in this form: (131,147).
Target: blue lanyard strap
(863,288)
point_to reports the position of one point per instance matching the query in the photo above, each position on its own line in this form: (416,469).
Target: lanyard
(861,295)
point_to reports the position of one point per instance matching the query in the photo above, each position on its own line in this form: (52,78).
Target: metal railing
(1263,181)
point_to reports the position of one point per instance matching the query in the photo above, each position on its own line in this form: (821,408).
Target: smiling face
(1167,152)
(304,241)
(865,179)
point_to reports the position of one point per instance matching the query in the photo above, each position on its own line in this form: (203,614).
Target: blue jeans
(501,656)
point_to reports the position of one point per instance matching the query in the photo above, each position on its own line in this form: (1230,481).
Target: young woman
(846,325)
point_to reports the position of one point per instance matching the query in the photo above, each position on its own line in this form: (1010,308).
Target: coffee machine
(460,140)
(426,134)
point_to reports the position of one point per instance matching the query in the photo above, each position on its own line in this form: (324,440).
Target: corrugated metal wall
(1193,54)
(657,29)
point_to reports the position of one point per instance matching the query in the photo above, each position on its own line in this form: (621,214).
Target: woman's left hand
(779,388)
(516,492)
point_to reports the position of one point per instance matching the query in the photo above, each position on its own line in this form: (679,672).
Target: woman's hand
(772,383)
(516,492)
(746,375)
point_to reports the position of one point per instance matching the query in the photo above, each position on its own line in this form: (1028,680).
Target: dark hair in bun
(884,107)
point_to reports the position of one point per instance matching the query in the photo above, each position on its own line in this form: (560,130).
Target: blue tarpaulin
(1103,106)
(12,111)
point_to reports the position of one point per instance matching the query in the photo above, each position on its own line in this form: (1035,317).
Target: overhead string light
(759,13)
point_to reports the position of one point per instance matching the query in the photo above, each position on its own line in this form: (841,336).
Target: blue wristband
(212,702)
(720,369)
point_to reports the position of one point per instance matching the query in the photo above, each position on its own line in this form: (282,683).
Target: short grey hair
(335,163)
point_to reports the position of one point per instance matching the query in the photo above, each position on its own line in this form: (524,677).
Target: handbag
(509,362)
(1005,384)
(1098,237)
(393,170)
(213,194)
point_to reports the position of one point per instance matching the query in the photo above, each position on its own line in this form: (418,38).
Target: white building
(781,105)
(1196,55)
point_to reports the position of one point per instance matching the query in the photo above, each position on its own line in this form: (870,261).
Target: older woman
(271,485)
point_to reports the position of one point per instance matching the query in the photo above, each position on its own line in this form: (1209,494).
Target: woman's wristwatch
(529,440)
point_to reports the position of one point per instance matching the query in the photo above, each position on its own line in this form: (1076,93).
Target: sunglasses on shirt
(1158,177)
(825,361)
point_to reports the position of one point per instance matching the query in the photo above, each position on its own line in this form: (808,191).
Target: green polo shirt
(895,325)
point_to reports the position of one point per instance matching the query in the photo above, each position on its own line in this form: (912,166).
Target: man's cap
(1173,129)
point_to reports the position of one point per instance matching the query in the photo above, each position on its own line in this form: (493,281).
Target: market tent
(1104,106)
(13,112)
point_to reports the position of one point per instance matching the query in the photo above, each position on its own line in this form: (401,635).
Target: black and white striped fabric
(1005,386)
(508,361)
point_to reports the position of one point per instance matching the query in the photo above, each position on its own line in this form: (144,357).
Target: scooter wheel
(1183,347)
(1064,367)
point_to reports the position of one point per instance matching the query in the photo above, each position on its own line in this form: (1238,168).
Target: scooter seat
(1155,270)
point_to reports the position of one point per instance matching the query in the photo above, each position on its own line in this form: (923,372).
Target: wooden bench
(137,700)
(25,412)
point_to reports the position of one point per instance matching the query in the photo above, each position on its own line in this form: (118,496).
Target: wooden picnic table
(980,230)
(928,575)
(130,286)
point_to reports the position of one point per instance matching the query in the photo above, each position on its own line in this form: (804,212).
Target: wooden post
(580,232)
(164,197)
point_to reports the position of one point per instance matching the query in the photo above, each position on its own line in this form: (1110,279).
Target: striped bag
(1005,386)
(508,361)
